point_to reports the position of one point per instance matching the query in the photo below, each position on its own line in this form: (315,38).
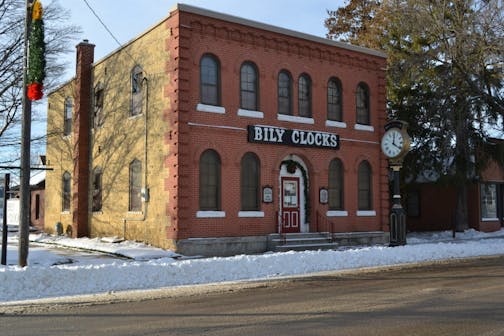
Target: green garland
(36,56)
(306,182)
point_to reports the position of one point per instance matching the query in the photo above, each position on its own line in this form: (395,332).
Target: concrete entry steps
(323,241)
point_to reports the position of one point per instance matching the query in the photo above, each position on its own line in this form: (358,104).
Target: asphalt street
(444,298)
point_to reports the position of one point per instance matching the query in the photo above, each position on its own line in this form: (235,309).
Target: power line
(102,23)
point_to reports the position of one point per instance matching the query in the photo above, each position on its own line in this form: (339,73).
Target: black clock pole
(397,213)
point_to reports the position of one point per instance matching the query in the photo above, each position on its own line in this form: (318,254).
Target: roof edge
(276,29)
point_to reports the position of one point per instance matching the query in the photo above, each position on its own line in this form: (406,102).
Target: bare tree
(58,37)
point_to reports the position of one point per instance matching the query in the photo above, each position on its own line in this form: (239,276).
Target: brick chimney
(81,136)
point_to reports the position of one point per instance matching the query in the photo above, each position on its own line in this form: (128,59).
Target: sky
(57,272)
(126,19)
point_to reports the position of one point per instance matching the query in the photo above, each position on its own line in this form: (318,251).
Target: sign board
(323,196)
(267,194)
(292,137)
(13,211)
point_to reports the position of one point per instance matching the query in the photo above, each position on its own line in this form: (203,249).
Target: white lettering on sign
(278,135)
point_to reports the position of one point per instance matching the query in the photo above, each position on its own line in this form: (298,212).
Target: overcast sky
(128,18)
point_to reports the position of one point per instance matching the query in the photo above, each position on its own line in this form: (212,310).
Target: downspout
(145,190)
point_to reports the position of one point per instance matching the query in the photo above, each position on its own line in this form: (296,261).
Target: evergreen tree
(445,77)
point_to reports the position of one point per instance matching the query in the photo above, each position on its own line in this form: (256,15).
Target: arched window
(97,189)
(210,80)
(362,104)
(336,185)
(249,87)
(135,186)
(305,96)
(334,100)
(65,191)
(210,181)
(67,118)
(136,90)
(284,93)
(364,186)
(249,182)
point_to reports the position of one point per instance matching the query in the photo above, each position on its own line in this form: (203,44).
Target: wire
(103,23)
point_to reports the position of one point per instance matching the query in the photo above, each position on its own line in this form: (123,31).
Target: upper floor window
(67,118)
(284,93)
(336,185)
(305,96)
(334,100)
(364,176)
(136,90)
(362,104)
(65,191)
(135,186)
(210,181)
(249,87)
(250,182)
(97,189)
(98,106)
(210,80)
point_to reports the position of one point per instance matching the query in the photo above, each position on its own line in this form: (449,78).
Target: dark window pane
(98,106)
(250,182)
(209,178)
(364,186)
(336,185)
(284,93)
(209,80)
(97,190)
(304,96)
(334,101)
(362,104)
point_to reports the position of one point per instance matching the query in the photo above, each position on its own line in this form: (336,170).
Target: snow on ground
(50,275)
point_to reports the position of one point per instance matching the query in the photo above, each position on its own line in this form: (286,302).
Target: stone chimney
(81,138)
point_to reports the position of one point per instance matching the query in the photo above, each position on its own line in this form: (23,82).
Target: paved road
(457,298)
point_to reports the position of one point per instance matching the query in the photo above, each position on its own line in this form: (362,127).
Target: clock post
(395,145)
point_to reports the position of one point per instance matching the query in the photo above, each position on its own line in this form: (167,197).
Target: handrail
(327,225)
(280,228)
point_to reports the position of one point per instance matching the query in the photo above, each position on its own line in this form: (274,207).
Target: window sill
(250,113)
(489,219)
(296,119)
(211,214)
(65,212)
(361,127)
(251,214)
(333,123)
(135,116)
(366,213)
(210,109)
(135,213)
(336,213)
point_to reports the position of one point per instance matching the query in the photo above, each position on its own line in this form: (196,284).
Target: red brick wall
(234,44)
(81,133)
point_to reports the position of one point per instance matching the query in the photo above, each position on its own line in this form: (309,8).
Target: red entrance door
(290,204)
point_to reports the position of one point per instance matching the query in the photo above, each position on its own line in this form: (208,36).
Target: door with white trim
(290,205)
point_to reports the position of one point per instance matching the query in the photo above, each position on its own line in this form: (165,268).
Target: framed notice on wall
(267,194)
(323,196)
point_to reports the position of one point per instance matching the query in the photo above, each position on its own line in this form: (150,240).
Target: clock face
(392,143)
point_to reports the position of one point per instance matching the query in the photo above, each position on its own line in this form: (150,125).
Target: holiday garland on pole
(36,54)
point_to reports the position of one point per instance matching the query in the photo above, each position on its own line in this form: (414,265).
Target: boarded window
(364,186)
(135,186)
(336,185)
(210,181)
(65,191)
(250,182)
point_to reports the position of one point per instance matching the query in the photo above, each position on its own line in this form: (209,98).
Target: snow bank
(62,280)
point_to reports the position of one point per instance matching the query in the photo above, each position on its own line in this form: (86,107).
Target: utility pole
(24,186)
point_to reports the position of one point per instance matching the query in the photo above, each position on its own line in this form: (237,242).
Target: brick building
(209,132)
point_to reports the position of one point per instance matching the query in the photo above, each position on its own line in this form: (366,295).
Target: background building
(209,132)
